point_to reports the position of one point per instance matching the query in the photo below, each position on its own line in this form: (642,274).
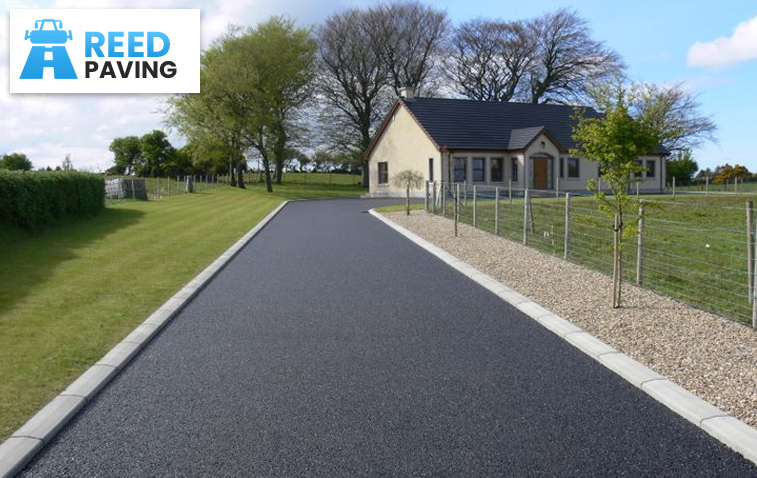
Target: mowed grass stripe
(70,294)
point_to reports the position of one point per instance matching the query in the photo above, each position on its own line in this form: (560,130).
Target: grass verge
(67,296)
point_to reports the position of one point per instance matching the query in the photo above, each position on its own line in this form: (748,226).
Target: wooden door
(541,172)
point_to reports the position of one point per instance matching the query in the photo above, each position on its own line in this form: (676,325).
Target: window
(383,172)
(431,169)
(651,164)
(495,170)
(574,168)
(562,168)
(479,168)
(459,170)
(514,170)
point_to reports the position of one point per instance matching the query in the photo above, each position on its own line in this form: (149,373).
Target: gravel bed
(708,355)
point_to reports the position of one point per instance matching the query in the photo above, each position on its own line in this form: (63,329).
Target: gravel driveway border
(25,442)
(730,431)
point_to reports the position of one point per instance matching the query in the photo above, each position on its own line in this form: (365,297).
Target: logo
(105,51)
(59,61)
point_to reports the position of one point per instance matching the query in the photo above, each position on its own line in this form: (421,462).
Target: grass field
(695,248)
(70,294)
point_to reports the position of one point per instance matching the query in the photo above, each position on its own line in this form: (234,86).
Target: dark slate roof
(487,125)
(522,137)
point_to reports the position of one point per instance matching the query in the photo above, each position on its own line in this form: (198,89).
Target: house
(487,143)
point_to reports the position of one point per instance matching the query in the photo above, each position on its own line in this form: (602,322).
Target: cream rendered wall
(536,148)
(404,145)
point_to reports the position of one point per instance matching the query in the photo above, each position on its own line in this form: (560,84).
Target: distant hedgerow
(32,200)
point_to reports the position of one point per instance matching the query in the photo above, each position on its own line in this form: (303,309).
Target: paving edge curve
(729,430)
(24,443)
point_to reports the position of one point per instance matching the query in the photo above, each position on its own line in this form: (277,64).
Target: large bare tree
(352,83)
(487,59)
(567,59)
(674,111)
(409,38)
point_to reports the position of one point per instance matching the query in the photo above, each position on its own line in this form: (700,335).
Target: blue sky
(711,47)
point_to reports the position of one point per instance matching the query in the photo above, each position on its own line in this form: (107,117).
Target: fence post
(474,206)
(640,248)
(433,199)
(750,247)
(496,211)
(457,206)
(526,201)
(674,187)
(425,199)
(510,191)
(444,199)
(566,240)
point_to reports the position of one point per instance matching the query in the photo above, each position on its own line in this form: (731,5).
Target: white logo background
(182,26)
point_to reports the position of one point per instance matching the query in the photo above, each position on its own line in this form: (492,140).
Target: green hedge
(33,200)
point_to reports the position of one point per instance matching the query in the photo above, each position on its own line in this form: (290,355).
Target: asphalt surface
(331,346)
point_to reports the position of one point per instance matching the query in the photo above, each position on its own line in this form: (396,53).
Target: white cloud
(724,51)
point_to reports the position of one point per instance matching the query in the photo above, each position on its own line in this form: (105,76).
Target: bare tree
(352,82)
(487,59)
(409,40)
(567,59)
(674,111)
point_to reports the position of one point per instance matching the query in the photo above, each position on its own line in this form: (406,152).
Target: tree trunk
(232,178)
(366,179)
(267,172)
(617,270)
(279,170)
(240,177)
(407,200)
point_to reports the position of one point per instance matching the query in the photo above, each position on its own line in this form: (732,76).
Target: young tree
(126,155)
(408,180)
(615,141)
(567,59)
(487,59)
(15,162)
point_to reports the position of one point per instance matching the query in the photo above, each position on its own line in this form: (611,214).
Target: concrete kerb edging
(24,443)
(730,431)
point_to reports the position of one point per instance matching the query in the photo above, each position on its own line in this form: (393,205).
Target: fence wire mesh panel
(694,249)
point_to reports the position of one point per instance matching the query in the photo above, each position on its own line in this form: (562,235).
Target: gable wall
(404,145)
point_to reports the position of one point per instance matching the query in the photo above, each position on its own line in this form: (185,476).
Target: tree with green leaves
(127,155)
(15,162)
(155,150)
(255,83)
(408,180)
(615,140)
(681,165)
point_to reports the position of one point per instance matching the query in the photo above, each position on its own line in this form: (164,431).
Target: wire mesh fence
(700,250)
(124,188)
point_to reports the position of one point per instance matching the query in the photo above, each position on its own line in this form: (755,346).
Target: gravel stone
(708,355)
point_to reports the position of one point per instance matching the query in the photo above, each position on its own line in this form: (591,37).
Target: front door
(541,173)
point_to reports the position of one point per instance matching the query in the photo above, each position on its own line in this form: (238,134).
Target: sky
(709,47)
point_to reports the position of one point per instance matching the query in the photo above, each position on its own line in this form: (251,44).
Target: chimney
(407,92)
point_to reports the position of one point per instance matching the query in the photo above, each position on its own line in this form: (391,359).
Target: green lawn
(70,294)
(695,247)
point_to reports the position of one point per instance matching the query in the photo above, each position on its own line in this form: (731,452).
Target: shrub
(32,200)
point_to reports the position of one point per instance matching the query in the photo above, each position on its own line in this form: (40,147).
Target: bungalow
(487,143)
